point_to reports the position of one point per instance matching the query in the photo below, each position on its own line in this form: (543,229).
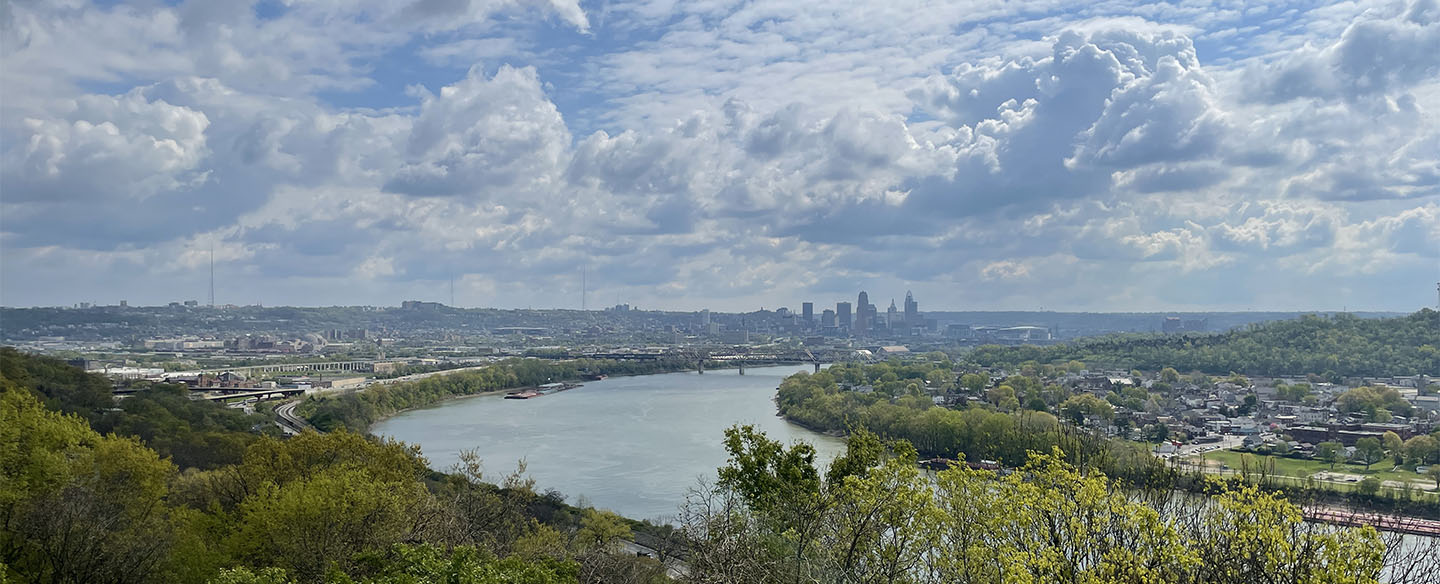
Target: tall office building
(807,312)
(892,316)
(863,320)
(912,311)
(827,319)
(842,315)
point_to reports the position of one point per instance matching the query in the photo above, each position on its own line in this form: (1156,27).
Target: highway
(291,423)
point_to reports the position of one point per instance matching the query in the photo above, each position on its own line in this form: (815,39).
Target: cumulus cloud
(123,146)
(1385,52)
(482,136)
(735,156)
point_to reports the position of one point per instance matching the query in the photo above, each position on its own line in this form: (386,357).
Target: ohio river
(634,445)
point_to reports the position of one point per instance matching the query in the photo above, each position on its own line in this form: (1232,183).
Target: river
(634,445)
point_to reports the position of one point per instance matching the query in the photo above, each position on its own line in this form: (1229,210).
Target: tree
(1394,446)
(1077,408)
(1369,486)
(974,382)
(1421,450)
(1369,451)
(600,530)
(1331,452)
(1434,473)
(76,506)
(1169,375)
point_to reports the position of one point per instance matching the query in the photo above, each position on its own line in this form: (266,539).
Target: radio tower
(212,274)
(584,271)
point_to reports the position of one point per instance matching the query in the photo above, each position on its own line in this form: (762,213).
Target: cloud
(1096,157)
(122,146)
(1384,52)
(482,136)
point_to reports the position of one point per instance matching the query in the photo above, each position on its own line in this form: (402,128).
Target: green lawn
(1304,468)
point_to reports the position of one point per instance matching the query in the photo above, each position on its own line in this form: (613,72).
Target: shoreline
(582,382)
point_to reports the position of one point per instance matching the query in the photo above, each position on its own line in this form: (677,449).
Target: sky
(987,155)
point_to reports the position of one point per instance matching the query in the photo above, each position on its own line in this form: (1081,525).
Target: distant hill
(1336,345)
(1080,324)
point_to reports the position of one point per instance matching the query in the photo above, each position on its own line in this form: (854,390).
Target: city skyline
(1125,156)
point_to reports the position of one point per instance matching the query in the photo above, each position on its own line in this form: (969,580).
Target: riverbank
(361,410)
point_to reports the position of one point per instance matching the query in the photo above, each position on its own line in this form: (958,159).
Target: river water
(634,445)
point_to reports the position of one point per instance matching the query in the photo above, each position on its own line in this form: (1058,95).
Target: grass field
(1279,465)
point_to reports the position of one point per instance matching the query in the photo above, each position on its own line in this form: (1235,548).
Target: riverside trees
(773,519)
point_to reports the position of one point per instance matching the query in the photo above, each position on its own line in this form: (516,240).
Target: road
(293,424)
(673,568)
(288,421)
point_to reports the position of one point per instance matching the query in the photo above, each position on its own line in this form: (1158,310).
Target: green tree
(1169,375)
(310,524)
(1394,446)
(974,382)
(1076,408)
(600,530)
(1368,486)
(1421,450)
(76,506)
(1369,451)
(1331,452)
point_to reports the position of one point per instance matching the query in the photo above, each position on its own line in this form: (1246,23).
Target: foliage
(76,506)
(194,433)
(1049,521)
(819,402)
(1339,345)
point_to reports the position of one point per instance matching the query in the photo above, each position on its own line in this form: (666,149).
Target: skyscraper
(863,321)
(892,318)
(827,319)
(842,314)
(807,312)
(912,311)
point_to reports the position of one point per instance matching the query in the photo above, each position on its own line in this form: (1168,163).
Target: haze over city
(986,155)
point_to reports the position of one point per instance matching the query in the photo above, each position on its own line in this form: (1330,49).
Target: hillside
(1338,345)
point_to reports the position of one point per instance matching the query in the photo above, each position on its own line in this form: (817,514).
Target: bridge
(259,394)
(356,366)
(727,355)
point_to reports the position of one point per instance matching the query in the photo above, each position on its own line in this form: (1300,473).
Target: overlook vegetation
(774,517)
(1340,345)
(78,506)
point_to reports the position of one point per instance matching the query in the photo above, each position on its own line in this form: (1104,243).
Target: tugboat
(595,377)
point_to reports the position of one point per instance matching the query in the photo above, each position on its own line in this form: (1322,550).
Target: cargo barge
(546,389)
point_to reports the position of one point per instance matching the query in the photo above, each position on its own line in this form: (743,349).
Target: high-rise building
(705,317)
(912,311)
(807,312)
(827,319)
(863,320)
(842,315)
(892,316)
